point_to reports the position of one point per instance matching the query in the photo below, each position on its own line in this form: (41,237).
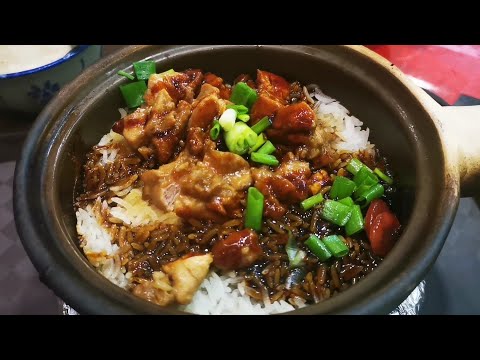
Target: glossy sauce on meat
(182,172)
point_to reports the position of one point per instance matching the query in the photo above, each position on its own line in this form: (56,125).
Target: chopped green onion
(298,260)
(243,117)
(354,166)
(240,109)
(261,125)
(365,176)
(267,148)
(347,201)
(318,248)
(382,176)
(355,223)
(370,193)
(240,138)
(335,245)
(143,69)
(254,212)
(341,188)
(133,93)
(336,212)
(264,159)
(215,131)
(227,119)
(242,94)
(127,75)
(260,141)
(295,255)
(311,201)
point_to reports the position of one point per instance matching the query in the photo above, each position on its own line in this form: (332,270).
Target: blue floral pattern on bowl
(43,95)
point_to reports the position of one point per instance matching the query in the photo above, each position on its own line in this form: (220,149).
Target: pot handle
(461,131)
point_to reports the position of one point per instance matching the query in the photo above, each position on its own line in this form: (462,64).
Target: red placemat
(449,71)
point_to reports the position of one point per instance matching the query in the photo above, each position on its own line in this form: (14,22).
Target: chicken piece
(133,126)
(161,124)
(298,117)
(213,188)
(160,187)
(264,106)
(180,85)
(158,291)
(178,281)
(274,85)
(238,250)
(247,79)
(287,185)
(167,130)
(217,81)
(206,107)
(298,173)
(206,189)
(186,275)
(293,124)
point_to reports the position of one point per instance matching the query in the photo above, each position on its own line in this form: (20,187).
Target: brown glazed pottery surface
(400,125)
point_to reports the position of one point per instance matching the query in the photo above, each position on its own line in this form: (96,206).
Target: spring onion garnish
(260,141)
(243,117)
(240,109)
(311,201)
(342,187)
(347,201)
(127,75)
(295,255)
(242,94)
(367,194)
(355,223)
(382,176)
(227,119)
(354,166)
(133,93)
(240,138)
(335,245)
(254,212)
(318,248)
(215,131)
(335,212)
(267,148)
(365,176)
(143,69)
(264,159)
(261,125)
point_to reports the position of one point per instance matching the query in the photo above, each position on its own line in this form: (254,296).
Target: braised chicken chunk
(178,281)
(210,189)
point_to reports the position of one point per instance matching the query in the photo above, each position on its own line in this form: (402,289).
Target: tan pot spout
(461,129)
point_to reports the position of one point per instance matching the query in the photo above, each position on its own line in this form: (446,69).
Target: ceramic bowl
(29,91)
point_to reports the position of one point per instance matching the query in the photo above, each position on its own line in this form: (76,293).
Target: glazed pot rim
(84,297)
(70,55)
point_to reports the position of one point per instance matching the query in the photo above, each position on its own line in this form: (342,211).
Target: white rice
(109,152)
(96,242)
(348,128)
(225,295)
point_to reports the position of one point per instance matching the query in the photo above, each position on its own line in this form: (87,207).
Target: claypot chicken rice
(257,196)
